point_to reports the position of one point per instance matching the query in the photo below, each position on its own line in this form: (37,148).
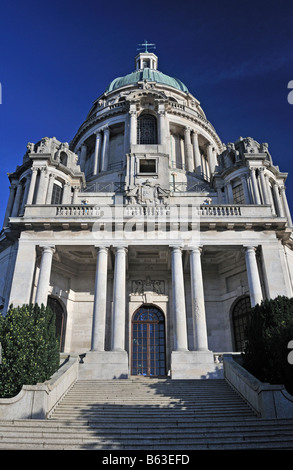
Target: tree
(30,349)
(268,333)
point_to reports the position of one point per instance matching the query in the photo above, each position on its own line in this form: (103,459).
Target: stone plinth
(195,365)
(104,365)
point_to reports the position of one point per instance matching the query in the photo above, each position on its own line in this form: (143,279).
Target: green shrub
(268,333)
(30,349)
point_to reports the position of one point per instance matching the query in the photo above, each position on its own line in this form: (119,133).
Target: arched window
(240,317)
(147,129)
(60,319)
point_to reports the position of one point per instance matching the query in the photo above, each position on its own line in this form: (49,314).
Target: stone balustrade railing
(78,211)
(226,215)
(219,211)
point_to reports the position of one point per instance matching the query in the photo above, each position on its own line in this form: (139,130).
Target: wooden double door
(148,342)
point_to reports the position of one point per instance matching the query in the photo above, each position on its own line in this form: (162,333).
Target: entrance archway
(60,319)
(148,342)
(241,313)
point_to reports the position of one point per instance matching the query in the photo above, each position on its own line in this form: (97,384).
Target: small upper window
(147,166)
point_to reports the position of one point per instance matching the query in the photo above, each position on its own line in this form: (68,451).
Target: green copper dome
(149,75)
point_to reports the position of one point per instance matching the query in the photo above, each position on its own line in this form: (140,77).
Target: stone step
(48,434)
(235,441)
(149,414)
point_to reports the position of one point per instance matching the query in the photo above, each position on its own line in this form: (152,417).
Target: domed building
(148,236)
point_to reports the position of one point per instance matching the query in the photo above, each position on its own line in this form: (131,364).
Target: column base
(195,365)
(104,365)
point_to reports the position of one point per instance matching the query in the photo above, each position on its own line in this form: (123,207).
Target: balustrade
(80,210)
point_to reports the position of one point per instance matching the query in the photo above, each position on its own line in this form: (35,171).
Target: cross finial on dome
(146,45)
(145,58)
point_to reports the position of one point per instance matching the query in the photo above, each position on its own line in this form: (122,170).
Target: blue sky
(57,57)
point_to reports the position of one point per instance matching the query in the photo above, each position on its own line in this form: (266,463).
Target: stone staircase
(149,414)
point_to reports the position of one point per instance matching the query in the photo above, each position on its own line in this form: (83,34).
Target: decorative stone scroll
(141,286)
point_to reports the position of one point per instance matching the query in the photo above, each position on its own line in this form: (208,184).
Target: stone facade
(148,235)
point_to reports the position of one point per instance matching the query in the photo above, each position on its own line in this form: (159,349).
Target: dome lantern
(146,59)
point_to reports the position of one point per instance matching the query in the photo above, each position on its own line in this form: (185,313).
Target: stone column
(211,158)
(9,204)
(97,152)
(179,300)
(256,195)
(188,150)
(44,275)
(133,126)
(42,189)
(269,194)
(278,202)
(32,186)
(263,186)
(16,204)
(25,193)
(119,299)
(162,127)
(285,205)
(50,188)
(76,190)
(198,304)
(253,276)
(66,197)
(196,152)
(105,149)
(99,313)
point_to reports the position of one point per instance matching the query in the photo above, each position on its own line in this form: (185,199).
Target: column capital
(195,248)
(249,248)
(48,248)
(120,248)
(101,248)
(105,129)
(176,248)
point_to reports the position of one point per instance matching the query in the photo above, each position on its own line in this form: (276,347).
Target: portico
(120,278)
